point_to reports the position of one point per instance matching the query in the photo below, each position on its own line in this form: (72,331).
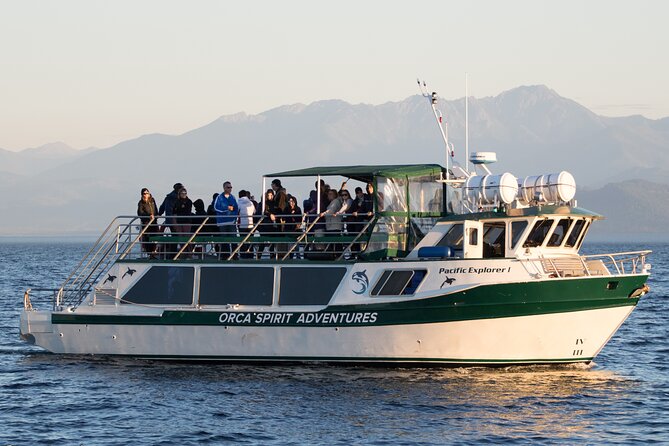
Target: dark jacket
(182,206)
(293,219)
(168,204)
(145,209)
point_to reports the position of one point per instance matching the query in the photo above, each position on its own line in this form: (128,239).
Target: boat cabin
(514,233)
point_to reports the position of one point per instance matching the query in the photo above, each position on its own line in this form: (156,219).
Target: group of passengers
(333,212)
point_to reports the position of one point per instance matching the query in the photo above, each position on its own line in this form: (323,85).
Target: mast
(443,127)
(467,122)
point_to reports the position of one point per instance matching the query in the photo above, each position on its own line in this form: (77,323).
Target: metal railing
(175,238)
(621,263)
(296,236)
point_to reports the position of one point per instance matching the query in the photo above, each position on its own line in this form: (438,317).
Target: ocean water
(47,399)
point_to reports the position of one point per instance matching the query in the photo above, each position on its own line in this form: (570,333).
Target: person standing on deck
(167,207)
(226,215)
(246,211)
(147,211)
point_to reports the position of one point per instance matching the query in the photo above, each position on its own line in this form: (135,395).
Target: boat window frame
(376,291)
(206,269)
(521,236)
(584,231)
(491,224)
(549,231)
(564,235)
(577,220)
(452,227)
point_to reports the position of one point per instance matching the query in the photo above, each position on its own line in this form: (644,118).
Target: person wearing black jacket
(166,208)
(183,207)
(147,210)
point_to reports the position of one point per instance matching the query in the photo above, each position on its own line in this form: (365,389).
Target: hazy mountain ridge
(35,160)
(533,130)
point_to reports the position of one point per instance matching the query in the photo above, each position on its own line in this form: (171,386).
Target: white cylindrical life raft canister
(547,188)
(491,189)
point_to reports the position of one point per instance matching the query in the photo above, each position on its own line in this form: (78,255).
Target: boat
(453,267)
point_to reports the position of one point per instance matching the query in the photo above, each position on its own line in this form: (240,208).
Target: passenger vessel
(455,266)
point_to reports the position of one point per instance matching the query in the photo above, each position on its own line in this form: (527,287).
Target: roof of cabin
(365,173)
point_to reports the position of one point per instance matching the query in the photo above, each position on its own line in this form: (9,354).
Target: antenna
(432,97)
(467,122)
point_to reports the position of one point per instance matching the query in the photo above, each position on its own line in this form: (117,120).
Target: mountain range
(56,189)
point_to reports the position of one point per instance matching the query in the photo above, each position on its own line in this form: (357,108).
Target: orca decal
(363,281)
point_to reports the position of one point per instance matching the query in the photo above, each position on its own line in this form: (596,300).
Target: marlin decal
(363,281)
(109,279)
(130,272)
(448,281)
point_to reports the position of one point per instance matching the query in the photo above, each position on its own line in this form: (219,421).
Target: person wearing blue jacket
(227,213)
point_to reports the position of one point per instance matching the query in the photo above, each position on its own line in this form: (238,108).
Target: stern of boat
(35,323)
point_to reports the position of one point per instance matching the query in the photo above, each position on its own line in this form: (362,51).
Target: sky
(95,73)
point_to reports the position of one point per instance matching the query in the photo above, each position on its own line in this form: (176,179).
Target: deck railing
(633,262)
(174,238)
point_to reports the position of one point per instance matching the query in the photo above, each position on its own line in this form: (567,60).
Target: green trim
(483,302)
(365,173)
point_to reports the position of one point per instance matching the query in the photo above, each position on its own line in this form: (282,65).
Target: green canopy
(364,173)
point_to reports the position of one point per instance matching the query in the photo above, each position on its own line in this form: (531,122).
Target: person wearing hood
(167,207)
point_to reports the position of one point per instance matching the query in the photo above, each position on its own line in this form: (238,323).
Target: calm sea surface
(49,399)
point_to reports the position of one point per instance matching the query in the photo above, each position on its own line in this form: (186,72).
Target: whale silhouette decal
(361,278)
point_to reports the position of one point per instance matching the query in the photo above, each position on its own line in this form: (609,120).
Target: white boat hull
(575,336)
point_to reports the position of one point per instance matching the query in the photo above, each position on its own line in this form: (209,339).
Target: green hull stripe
(483,302)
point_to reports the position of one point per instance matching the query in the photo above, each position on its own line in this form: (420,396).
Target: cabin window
(236,285)
(398,282)
(560,231)
(163,285)
(473,236)
(309,285)
(575,233)
(493,239)
(453,237)
(517,229)
(538,233)
(583,233)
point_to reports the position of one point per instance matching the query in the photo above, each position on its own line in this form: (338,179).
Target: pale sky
(95,73)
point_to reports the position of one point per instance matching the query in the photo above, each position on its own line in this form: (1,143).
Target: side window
(236,285)
(538,233)
(583,233)
(560,231)
(309,285)
(398,282)
(517,229)
(494,235)
(575,233)
(163,285)
(473,236)
(453,237)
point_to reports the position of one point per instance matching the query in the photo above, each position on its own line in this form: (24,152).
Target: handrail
(197,231)
(125,233)
(616,260)
(301,237)
(239,246)
(355,240)
(139,237)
